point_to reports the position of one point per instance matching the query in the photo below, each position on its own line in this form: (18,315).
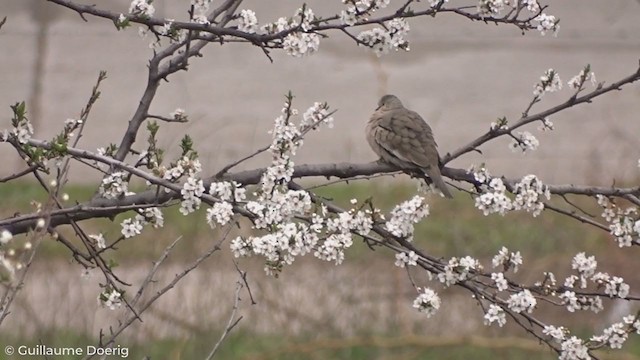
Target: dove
(403,139)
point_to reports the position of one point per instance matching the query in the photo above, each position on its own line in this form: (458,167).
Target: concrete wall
(459,75)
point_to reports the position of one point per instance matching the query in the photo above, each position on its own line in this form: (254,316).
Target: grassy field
(454,228)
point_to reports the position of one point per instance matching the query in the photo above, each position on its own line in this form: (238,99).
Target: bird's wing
(404,134)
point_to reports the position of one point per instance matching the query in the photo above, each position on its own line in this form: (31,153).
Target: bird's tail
(436,178)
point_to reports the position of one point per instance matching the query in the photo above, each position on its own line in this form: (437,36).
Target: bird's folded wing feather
(404,134)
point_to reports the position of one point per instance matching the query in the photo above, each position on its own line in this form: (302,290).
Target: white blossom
(633,321)
(398,31)
(219,213)
(495,314)
(524,141)
(577,81)
(522,301)
(301,44)
(200,18)
(404,258)
(178,114)
(586,267)
(22,132)
(98,240)
(547,125)
(529,192)
(575,302)
(482,176)
(114,185)
(507,260)
(491,7)
(549,82)
(546,23)
(458,270)
(316,115)
(228,191)
(248,22)
(532,5)
(141,8)
(574,349)
(111,299)
(556,333)
(434,3)
(151,215)
(131,227)
(5,237)
(191,192)
(377,39)
(494,200)
(405,215)
(500,281)
(613,336)
(427,302)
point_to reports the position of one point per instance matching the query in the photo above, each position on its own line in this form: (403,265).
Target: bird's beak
(378,108)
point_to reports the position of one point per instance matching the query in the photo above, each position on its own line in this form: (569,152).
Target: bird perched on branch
(402,138)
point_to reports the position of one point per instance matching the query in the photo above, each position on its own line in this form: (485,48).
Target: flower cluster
(114,185)
(508,260)
(22,131)
(405,215)
(546,23)
(98,240)
(491,7)
(524,141)
(500,281)
(549,82)
(574,348)
(547,125)
(360,10)
(5,237)
(191,192)
(613,336)
(528,195)
(624,224)
(495,314)
(522,301)
(110,298)
(586,267)
(278,209)
(427,302)
(585,75)
(575,302)
(222,211)
(499,124)
(494,200)
(557,333)
(133,226)
(142,8)
(193,187)
(178,114)
(184,166)
(382,40)
(247,21)
(403,259)
(316,115)
(200,10)
(458,270)
(532,5)
(300,42)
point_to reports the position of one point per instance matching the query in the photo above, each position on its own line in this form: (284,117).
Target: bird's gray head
(389,102)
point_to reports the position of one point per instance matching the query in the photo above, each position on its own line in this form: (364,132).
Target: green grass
(454,228)
(245,346)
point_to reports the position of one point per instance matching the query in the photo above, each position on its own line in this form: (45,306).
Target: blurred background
(459,75)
